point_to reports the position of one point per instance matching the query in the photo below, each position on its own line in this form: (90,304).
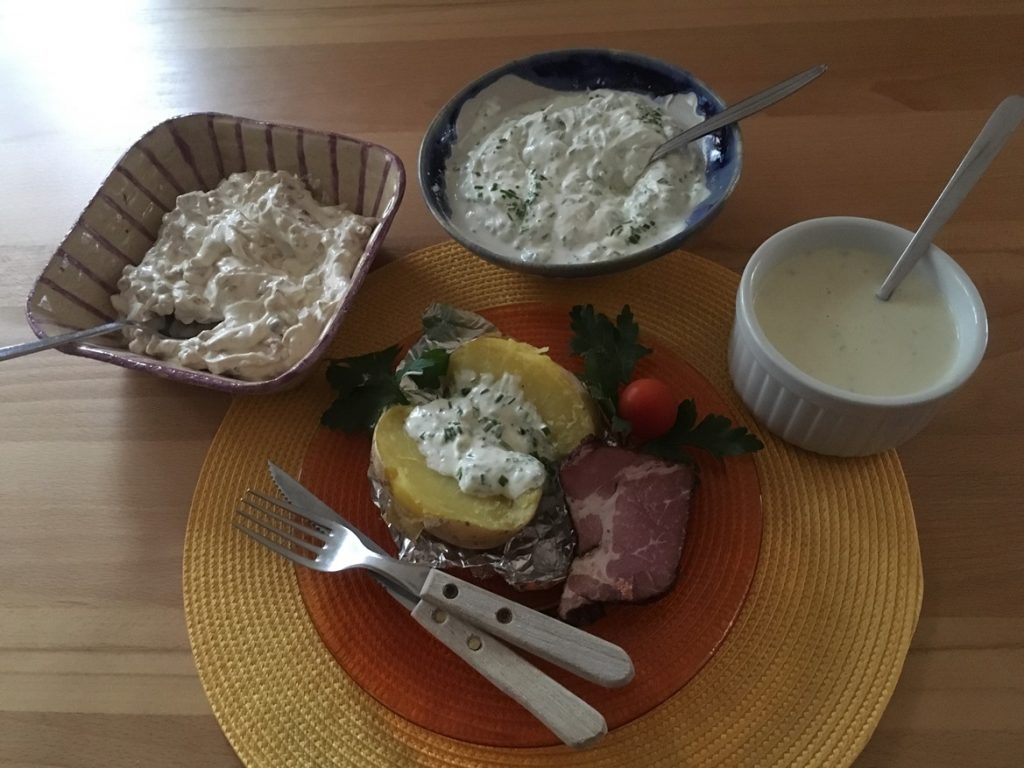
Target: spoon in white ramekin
(1003,122)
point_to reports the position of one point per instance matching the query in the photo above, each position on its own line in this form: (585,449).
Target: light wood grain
(97,464)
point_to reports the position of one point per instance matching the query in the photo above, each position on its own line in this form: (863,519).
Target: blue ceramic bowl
(580,70)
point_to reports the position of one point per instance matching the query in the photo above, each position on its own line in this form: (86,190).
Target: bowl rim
(591,269)
(780,366)
(208,379)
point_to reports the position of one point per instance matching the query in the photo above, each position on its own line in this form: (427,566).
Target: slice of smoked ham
(630,512)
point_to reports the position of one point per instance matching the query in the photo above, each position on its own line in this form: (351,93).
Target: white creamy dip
(562,181)
(818,308)
(486,435)
(257,256)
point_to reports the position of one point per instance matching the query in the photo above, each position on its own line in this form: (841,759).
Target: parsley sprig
(610,351)
(714,434)
(429,369)
(366,385)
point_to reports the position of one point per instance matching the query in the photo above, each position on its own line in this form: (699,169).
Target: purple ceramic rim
(212,380)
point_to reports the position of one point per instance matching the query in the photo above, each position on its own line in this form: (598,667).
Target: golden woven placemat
(801,679)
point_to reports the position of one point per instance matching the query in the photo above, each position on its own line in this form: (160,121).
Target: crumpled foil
(538,556)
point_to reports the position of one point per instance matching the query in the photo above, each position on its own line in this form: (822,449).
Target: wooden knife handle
(579,652)
(570,718)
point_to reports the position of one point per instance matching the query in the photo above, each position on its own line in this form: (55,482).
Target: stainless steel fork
(319,544)
(328,546)
(326,543)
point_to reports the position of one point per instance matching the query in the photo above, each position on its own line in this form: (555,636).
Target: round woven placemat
(801,679)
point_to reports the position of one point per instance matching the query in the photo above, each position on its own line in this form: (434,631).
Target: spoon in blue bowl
(738,111)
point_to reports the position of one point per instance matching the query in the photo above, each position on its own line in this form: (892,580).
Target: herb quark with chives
(567,182)
(484,434)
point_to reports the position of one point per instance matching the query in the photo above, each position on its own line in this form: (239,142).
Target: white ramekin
(818,416)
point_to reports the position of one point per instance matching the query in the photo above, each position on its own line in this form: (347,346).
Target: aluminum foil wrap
(538,556)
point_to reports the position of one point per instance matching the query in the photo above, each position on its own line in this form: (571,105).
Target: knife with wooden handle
(568,716)
(582,653)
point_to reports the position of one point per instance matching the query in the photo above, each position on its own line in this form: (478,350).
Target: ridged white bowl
(824,418)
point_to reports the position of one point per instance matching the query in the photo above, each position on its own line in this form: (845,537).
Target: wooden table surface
(98,464)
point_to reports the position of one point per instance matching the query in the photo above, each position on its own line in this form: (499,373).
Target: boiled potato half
(427,500)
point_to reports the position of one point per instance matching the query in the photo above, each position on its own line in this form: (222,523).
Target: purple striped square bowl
(184,154)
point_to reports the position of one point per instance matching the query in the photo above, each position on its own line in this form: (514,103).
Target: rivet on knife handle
(570,718)
(579,652)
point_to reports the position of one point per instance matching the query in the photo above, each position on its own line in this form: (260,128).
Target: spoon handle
(738,111)
(28,347)
(1003,122)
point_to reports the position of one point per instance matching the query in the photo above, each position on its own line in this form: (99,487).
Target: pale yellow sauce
(818,308)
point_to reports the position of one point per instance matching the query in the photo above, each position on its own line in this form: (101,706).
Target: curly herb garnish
(366,385)
(610,351)
(714,434)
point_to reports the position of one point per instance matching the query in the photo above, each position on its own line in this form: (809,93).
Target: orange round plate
(383,649)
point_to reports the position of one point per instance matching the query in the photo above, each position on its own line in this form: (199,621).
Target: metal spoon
(737,112)
(1003,122)
(171,328)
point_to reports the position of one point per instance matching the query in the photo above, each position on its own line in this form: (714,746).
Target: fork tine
(311,548)
(281,550)
(316,517)
(270,513)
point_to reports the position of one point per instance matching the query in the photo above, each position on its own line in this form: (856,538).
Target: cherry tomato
(650,407)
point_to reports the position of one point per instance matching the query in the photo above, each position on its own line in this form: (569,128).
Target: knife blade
(569,717)
(572,649)
(409,576)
